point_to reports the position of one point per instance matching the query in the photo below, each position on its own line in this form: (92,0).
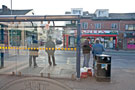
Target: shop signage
(99,32)
(112,32)
(47,27)
(131,46)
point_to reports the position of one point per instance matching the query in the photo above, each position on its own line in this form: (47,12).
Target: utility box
(102,67)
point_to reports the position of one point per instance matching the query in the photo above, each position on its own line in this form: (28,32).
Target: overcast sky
(55,7)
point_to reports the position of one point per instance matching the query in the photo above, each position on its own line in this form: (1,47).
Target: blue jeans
(86,60)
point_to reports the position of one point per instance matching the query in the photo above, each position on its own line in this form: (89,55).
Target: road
(120,59)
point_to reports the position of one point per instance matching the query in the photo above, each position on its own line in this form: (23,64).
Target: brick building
(115,30)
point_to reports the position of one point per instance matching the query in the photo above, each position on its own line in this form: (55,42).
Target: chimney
(4,8)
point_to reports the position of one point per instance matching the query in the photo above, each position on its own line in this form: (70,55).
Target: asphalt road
(120,59)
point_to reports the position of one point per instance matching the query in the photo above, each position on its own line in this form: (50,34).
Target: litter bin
(102,67)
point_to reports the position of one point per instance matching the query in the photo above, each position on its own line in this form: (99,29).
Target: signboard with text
(98,32)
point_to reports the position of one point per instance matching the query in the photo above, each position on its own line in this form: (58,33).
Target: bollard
(73,77)
(13,73)
(41,74)
(20,74)
(48,75)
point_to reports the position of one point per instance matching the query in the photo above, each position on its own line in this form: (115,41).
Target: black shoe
(54,64)
(35,66)
(50,64)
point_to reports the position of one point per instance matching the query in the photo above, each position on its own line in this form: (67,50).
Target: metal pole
(2,42)
(78,49)
(11,7)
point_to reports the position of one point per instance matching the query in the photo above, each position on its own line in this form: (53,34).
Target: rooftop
(111,16)
(6,11)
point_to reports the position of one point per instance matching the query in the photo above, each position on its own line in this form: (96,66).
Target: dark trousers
(34,60)
(94,61)
(53,59)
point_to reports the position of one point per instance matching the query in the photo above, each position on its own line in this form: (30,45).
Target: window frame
(83,25)
(114,26)
(97,25)
(130,27)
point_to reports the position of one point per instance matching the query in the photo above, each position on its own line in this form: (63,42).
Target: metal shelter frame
(31,18)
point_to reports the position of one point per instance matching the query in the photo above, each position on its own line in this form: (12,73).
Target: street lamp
(11,7)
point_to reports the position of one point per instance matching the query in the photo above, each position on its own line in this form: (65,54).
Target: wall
(106,25)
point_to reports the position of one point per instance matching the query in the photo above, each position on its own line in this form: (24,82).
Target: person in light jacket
(97,48)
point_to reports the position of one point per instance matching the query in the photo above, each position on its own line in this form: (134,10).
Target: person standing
(33,52)
(50,45)
(97,48)
(86,52)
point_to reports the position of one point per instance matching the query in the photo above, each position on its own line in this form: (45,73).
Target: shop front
(130,37)
(107,37)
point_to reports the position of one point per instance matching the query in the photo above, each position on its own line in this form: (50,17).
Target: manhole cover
(35,83)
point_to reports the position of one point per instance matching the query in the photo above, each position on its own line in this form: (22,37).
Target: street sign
(47,27)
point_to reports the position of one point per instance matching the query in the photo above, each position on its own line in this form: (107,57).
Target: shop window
(84,25)
(130,27)
(131,41)
(114,25)
(98,26)
(126,27)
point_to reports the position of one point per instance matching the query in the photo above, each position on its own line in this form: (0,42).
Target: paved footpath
(122,79)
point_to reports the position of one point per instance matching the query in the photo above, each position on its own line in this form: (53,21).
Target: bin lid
(102,55)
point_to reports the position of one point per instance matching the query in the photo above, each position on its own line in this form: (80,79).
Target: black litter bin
(102,67)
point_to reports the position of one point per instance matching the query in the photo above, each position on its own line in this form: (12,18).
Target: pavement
(122,72)
(120,51)
(121,79)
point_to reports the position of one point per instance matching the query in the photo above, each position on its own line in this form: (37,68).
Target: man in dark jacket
(86,51)
(50,45)
(33,52)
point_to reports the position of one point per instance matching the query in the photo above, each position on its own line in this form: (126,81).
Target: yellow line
(55,48)
(23,48)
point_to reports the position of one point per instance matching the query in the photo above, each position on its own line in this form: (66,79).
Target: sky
(58,7)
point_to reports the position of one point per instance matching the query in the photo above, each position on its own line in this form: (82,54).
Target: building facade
(115,30)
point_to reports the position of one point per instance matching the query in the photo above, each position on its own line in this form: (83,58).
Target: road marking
(68,49)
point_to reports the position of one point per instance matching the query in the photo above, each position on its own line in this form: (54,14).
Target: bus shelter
(5,20)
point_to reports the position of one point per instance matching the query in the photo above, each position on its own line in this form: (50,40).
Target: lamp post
(11,7)
(2,43)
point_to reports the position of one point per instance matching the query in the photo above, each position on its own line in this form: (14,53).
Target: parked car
(58,42)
